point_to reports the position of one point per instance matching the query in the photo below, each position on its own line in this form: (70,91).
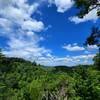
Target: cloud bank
(76,47)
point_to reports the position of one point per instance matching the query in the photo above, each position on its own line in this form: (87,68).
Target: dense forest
(24,80)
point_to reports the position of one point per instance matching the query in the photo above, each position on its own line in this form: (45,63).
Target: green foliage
(97,61)
(1,55)
(22,80)
(36,89)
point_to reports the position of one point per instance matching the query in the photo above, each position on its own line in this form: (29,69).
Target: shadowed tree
(94,38)
(85,6)
(1,55)
(97,61)
(34,63)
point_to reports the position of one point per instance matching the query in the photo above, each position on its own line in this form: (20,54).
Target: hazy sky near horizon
(47,31)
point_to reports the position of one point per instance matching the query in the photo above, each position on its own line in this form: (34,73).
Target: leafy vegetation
(24,80)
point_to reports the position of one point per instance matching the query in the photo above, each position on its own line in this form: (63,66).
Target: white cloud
(33,25)
(4,3)
(22,40)
(84,56)
(5,24)
(91,16)
(73,47)
(17,11)
(68,60)
(92,47)
(27,48)
(62,5)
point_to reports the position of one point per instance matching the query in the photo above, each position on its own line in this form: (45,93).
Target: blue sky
(47,31)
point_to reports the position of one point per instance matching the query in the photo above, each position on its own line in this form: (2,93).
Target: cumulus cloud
(73,47)
(62,5)
(91,47)
(5,24)
(76,47)
(26,48)
(91,16)
(33,25)
(17,25)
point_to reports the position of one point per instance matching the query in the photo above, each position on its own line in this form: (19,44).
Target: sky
(46,31)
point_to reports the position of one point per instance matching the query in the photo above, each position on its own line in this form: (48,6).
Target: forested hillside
(24,80)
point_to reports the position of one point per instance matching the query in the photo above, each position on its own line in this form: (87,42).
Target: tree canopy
(85,6)
(94,38)
(24,80)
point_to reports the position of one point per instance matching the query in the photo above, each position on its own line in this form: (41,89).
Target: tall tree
(85,6)
(94,39)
